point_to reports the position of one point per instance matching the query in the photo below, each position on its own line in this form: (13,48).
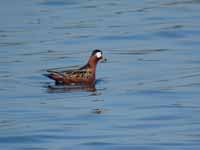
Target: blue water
(147,94)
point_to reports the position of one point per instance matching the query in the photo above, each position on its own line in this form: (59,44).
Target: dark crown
(96,51)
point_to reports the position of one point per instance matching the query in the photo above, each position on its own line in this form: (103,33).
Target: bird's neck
(92,62)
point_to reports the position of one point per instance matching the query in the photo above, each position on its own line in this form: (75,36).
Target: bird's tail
(54,76)
(48,75)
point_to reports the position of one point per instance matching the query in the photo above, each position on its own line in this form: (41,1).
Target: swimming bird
(85,75)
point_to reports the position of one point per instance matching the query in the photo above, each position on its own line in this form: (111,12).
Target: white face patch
(98,54)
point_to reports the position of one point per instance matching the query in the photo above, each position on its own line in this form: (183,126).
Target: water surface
(147,94)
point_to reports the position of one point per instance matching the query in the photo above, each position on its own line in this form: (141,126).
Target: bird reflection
(63,88)
(66,88)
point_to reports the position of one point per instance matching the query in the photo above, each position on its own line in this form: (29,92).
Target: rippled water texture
(147,95)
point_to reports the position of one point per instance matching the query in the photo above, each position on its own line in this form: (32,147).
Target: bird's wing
(74,72)
(73,75)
